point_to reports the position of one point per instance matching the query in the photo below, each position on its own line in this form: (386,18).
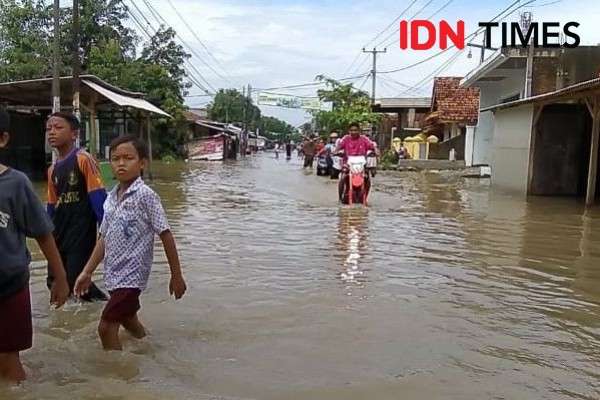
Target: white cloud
(277,43)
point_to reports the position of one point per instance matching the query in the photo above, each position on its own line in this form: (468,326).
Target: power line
(477,32)
(304,85)
(447,64)
(401,85)
(190,75)
(442,8)
(185,44)
(362,85)
(379,34)
(391,24)
(480,29)
(362,64)
(198,38)
(398,29)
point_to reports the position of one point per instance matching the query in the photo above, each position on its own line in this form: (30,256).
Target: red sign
(207,149)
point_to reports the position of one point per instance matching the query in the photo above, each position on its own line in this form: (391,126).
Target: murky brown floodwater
(440,290)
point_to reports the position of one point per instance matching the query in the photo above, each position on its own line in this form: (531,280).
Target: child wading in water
(21,214)
(133,214)
(75,198)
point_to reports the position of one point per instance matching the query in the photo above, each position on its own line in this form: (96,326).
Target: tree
(108,50)
(102,21)
(349,105)
(24,39)
(26,35)
(229,105)
(158,73)
(275,129)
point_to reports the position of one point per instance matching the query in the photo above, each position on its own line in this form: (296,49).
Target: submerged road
(439,290)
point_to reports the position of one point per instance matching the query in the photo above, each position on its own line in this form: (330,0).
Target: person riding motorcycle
(354,144)
(328,152)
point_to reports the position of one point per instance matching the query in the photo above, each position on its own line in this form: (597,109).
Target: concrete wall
(510,154)
(493,93)
(441,151)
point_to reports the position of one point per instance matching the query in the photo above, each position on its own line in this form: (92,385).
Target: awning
(36,94)
(125,101)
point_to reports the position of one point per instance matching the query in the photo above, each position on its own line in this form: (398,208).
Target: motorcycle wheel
(343,192)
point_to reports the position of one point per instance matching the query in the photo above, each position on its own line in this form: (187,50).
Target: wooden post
(93,134)
(149,127)
(593,169)
(537,113)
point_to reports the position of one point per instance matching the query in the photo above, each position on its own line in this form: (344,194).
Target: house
(549,144)
(403,117)
(540,135)
(106,112)
(502,79)
(211,140)
(453,109)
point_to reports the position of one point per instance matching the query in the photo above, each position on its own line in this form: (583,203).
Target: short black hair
(354,124)
(4,121)
(69,117)
(140,146)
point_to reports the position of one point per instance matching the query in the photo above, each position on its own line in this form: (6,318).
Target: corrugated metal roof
(36,93)
(573,90)
(125,101)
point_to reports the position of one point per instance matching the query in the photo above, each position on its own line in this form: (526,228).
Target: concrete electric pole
(374,52)
(56,59)
(526,19)
(76,65)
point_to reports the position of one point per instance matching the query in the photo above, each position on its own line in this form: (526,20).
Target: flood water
(441,289)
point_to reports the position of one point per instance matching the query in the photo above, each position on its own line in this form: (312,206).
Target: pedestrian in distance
(21,215)
(309,148)
(76,196)
(133,215)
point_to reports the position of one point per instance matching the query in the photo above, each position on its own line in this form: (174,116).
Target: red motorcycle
(355,183)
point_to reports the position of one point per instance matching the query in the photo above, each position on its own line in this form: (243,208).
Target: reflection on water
(440,289)
(352,241)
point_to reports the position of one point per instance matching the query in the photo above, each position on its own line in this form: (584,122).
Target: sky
(278,43)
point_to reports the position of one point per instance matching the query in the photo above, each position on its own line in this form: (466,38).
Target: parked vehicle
(322,166)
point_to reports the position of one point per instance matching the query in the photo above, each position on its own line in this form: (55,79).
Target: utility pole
(374,52)
(76,64)
(526,19)
(56,59)
(247,115)
(244,127)
(55,69)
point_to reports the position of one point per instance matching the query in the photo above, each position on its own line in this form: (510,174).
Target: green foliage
(228,106)
(389,157)
(275,129)
(27,30)
(169,158)
(349,105)
(24,39)
(108,50)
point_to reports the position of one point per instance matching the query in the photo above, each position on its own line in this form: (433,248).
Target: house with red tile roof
(453,109)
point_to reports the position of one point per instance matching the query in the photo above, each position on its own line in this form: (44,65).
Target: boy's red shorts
(16,333)
(122,305)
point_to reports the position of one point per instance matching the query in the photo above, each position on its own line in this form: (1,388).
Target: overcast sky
(285,42)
